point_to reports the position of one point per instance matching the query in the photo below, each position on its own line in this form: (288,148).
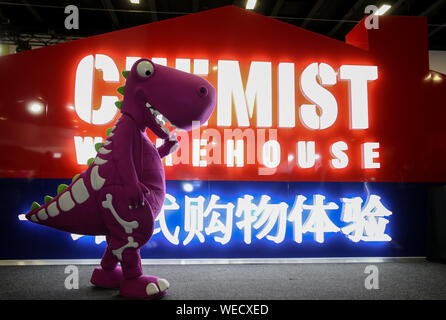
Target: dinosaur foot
(144,287)
(107,278)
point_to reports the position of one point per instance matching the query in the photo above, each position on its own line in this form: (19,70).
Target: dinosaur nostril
(203,91)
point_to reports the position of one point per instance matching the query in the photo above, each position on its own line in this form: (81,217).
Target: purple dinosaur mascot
(122,191)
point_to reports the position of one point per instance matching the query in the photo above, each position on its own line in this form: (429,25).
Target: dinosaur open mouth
(160,119)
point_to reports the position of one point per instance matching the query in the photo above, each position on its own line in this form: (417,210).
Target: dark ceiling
(42,22)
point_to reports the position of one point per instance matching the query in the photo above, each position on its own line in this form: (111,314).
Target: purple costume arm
(170,145)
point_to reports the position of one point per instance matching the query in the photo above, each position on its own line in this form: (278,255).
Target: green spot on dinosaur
(34,206)
(48,199)
(125,73)
(90,161)
(98,145)
(118,104)
(108,131)
(61,188)
(75,177)
(121,90)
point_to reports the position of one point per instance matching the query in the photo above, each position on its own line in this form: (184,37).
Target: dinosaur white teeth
(160,119)
(148,105)
(165,130)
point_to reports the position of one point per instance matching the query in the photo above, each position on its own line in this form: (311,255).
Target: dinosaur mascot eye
(144,69)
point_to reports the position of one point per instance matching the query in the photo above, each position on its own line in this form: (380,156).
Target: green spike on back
(34,206)
(118,104)
(108,131)
(125,73)
(121,90)
(98,146)
(75,177)
(48,199)
(90,161)
(61,188)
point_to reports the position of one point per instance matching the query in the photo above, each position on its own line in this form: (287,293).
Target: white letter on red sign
(287,113)
(358,76)
(306,154)
(369,154)
(236,152)
(320,96)
(337,150)
(83,90)
(258,89)
(85,148)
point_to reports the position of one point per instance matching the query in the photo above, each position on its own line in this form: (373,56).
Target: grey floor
(397,280)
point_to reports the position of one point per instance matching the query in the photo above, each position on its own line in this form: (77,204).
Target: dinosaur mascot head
(156,95)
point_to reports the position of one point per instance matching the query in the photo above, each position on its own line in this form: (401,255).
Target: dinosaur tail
(73,210)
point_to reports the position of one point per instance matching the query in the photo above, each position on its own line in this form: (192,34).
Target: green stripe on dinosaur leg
(61,188)
(34,206)
(125,73)
(75,177)
(90,161)
(98,145)
(48,199)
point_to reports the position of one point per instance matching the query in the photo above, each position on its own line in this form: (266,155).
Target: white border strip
(55,262)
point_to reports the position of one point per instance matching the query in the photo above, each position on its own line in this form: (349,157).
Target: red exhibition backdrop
(406,108)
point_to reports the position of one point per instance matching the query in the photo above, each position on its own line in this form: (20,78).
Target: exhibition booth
(317,148)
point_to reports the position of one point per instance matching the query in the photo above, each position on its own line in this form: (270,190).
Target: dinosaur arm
(170,145)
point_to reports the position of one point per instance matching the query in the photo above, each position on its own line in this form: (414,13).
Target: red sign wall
(306,107)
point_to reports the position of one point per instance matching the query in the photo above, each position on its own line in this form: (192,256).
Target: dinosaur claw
(173,137)
(163,284)
(152,289)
